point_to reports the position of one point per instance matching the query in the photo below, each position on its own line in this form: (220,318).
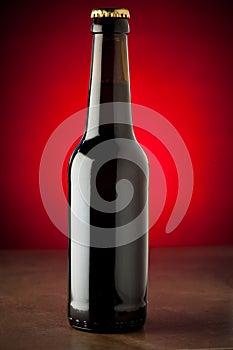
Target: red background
(181,65)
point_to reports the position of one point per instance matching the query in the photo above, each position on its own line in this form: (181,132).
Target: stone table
(190,302)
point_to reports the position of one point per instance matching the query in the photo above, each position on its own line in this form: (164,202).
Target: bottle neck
(109,83)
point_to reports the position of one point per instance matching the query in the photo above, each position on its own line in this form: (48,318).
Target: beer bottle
(108,194)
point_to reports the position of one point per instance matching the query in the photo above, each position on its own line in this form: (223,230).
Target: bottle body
(108,203)
(108,286)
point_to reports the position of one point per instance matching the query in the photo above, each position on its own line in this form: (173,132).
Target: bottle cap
(110,12)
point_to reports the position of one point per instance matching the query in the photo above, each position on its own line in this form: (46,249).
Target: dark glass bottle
(108,240)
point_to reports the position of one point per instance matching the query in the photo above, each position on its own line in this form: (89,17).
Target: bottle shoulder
(105,149)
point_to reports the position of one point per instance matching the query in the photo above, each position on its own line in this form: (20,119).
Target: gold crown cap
(110,12)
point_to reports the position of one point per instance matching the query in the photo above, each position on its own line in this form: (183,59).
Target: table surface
(190,302)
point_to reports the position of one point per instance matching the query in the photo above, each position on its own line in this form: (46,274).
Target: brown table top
(190,302)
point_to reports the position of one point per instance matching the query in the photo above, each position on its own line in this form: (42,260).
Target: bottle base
(122,322)
(116,327)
